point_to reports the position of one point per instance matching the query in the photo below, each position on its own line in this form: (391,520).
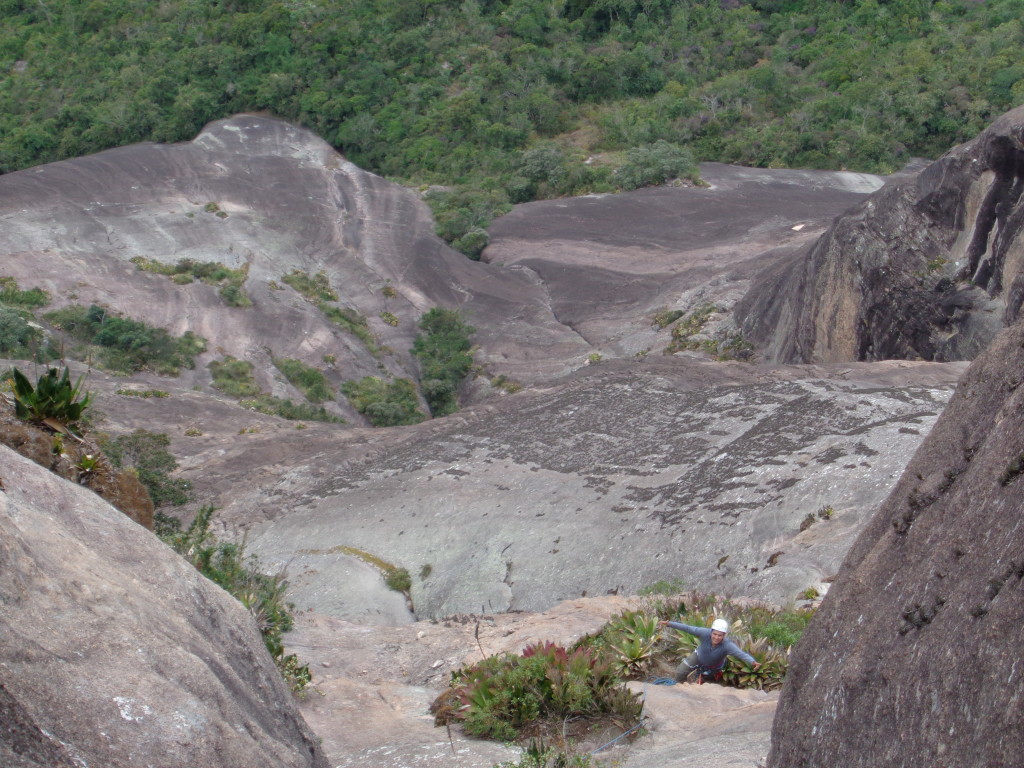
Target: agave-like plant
(54,400)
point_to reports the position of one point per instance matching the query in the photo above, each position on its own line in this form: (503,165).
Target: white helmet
(720,625)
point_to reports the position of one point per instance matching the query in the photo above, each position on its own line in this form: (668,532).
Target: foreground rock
(914,658)
(931,268)
(117,653)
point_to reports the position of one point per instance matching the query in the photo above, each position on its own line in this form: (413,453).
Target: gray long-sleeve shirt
(713,656)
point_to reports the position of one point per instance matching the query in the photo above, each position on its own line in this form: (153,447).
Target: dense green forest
(511,100)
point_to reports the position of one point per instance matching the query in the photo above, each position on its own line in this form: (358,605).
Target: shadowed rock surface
(116,652)
(931,268)
(913,659)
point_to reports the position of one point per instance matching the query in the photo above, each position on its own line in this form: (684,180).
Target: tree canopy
(466,93)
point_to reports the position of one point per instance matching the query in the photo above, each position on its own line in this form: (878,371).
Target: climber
(710,656)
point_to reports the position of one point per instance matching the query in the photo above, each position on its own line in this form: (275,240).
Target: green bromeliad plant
(765,633)
(502,695)
(54,400)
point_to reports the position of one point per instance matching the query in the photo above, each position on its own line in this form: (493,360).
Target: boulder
(914,656)
(117,652)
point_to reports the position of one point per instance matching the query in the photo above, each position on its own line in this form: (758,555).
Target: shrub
(443,349)
(315,288)
(666,317)
(656,164)
(227,565)
(384,403)
(398,579)
(286,409)
(502,695)
(311,381)
(463,214)
(234,377)
(128,345)
(53,399)
(12,296)
(147,453)
(18,336)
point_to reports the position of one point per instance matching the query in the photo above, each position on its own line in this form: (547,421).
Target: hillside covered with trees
(504,101)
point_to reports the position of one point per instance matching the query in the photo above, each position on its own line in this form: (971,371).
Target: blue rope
(663,681)
(621,735)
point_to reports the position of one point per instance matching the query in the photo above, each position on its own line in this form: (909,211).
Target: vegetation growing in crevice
(185,271)
(309,380)
(286,409)
(126,345)
(350,320)
(145,394)
(384,403)
(445,353)
(227,565)
(318,291)
(691,325)
(315,288)
(146,453)
(665,317)
(235,378)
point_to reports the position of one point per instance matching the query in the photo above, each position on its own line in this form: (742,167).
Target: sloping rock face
(616,479)
(914,658)
(928,269)
(117,653)
(608,263)
(256,193)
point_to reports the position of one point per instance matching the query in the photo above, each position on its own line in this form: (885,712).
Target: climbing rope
(621,735)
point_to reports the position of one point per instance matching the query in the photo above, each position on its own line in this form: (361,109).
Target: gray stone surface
(117,653)
(610,482)
(914,656)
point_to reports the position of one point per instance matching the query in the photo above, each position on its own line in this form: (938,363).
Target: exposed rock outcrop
(117,653)
(615,479)
(914,657)
(927,269)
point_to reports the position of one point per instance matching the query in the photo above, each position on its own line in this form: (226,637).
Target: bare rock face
(730,478)
(927,269)
(258,194)
(914,657)
(116,652)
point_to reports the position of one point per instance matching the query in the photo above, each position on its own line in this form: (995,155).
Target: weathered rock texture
(928,269)
(117,653)
(615,479)
(914,658)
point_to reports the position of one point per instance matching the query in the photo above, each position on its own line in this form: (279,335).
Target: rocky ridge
(931,268)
